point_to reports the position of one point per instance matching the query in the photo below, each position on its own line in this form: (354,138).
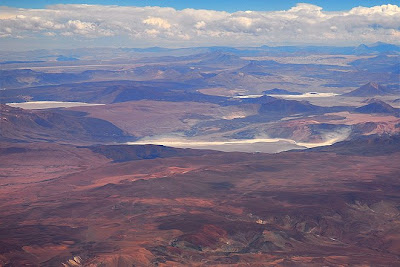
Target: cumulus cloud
(303,23)
(158,22)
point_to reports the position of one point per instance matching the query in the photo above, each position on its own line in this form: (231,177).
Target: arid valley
(205,155)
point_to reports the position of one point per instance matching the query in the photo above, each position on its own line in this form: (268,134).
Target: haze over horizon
(29,27)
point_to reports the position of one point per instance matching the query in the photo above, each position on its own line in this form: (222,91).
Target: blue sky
(230,6)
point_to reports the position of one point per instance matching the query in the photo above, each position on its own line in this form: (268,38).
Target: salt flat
(49,104)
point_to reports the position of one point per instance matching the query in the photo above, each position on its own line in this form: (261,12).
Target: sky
(220,5)
(35,24)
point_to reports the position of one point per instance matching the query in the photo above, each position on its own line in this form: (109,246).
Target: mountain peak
(369,89)
(377,106)
(373,84)
(220,57)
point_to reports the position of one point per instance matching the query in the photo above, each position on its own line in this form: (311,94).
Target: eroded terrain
(85,178)
(201,208)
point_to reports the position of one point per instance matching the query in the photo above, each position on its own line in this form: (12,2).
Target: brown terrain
(37,125)
(146,118)
(73,205)
(73,193)
(212,121)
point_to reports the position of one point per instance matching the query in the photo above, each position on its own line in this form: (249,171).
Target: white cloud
(304,23)
(159,22)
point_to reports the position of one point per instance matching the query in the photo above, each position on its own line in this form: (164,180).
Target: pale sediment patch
(49,104)
(235,115)
(307,95)
(267,145)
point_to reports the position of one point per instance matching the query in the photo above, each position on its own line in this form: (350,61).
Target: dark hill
(287,107)
(277,91)
(369,89)
(19,125)
(220,58)
(362,49)
(122,153)
(377,106)
(370,145)
(254,68)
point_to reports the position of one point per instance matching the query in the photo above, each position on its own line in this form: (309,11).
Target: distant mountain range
(108,92)
(378,47)
(107,53)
